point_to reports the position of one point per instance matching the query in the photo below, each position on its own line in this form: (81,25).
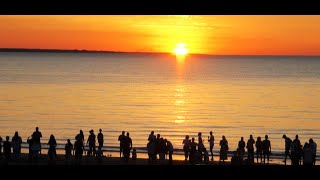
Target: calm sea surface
(234,96)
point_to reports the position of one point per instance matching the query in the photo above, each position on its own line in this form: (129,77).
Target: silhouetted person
(313,148)
(121,139)
(68,149)
(287,142)
(7,149)
(16,146)
(211,143)
(127,147)
(80,136)
(30,142)
(36,136)
(92,143)
(158,145)
(52,148)
(307,155)
(223,149)
(266,147)
(134,154)
(259,149)
(250,149)
(78,148)
(296,151)
(241,146)
(193,151)
(100,138)
(186,147)
(170,150)
(200,146)
(152,137)
(162,150)
(151,146)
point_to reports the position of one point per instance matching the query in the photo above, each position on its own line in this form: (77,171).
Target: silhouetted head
(310,140)
(266,136)
(223,137)
(251,137)
(165,140)
(306,145)
(158,136)
(7,138)
(37,129)
(241,138)
(128,134)
(199,134)
(187,137)
(192,139)
(16,134)
(297,137)
(123,132)
(100,130)
(91,131)
(152,132)
(51,136)
(210,132)
(259,138)
(81,132)
(284,136)
(68,140)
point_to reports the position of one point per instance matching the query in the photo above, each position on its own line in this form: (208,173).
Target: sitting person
(134,154)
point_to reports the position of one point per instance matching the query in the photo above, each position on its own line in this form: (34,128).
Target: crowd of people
(159,148)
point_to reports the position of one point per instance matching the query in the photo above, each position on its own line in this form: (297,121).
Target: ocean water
(234,96)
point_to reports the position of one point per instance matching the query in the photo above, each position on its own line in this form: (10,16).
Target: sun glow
(180,49)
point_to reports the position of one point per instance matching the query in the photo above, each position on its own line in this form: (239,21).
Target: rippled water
(229,95)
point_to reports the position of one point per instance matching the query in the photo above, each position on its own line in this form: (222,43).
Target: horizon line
(133,52)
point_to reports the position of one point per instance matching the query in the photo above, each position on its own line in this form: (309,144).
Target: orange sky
(250,35)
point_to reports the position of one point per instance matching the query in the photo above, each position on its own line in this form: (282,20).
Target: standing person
(7,149)
(100,138)
(80,136)
(16,146)
(259,148)
(127,147)
(250,149)
(211,142)
(36,136)
(313,148)
(307,155)
(241,146)
(186,147)
(52,148)
(78,148)
(200,146)
(266,145)
(92,143)
(151,137)
(223,149)
(68,149)
(121,138)
(30,142)
(296,151)
(287,142)
(193,151)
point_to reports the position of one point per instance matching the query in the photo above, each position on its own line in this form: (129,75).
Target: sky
(211,34)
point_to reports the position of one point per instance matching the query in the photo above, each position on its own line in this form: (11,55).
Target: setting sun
(180,49)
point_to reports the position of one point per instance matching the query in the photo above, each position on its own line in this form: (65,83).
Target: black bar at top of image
(158,7)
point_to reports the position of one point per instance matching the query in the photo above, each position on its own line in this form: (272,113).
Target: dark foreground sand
(44,160)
